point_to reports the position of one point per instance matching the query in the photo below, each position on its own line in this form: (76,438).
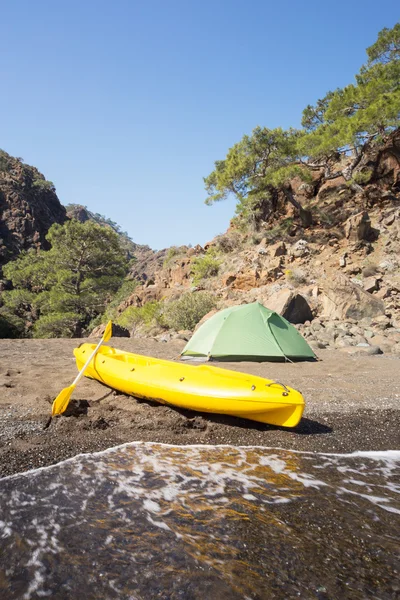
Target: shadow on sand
(305,427)
(199,420)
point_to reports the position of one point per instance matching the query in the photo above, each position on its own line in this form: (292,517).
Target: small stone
(372,350)
(99,423)
(184,335)
(317,345)
(344,342)
(380,320)
(370,284)
(389,220)
(382,341)
(387,265)
(362,351)
(355,330)
(356,281)
(278,249)
(384,292)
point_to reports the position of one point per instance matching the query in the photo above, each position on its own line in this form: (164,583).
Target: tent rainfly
(247,332)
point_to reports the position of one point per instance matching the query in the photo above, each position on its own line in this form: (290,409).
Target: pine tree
(345,121)
(62,290)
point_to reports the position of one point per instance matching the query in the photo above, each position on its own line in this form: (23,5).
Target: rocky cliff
(337,278)
(28,207)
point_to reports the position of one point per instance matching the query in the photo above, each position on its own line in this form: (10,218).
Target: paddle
(61,402)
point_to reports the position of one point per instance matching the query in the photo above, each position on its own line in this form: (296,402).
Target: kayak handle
(285,393)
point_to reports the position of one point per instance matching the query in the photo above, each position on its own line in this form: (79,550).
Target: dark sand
(352,403)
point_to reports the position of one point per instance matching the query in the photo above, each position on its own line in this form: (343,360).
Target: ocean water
(144,521)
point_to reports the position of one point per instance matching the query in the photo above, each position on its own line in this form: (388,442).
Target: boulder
(245,281)
(342,300)
(393,336)
(184,335)
(195,251)
(361,350)
(371,284)
(141,295)
(388,265)
(290,305)
(358,227)
(382,341)
(117,331)
(389,220)
(278,249)
(271,272)
(317,345)
(180,273)
(384,292)
(381,322)
(300,249)
(396,349)
(344,342)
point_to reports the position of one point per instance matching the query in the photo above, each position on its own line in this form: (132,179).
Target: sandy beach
(352,403)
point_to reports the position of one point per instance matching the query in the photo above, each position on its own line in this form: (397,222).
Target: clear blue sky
(125,105)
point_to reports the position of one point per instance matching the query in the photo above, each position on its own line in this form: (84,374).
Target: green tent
(248,332)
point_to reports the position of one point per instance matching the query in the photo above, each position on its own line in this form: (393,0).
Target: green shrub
(43,184)
(79,274)
(228,242)
(205,266)
(126,289)
(57,325)
(362,177)
(324,217)
(171,253)
(147,315)
(256,238)
(186,312)
(280,231)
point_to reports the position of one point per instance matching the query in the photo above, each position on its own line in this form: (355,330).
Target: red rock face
(29,206)
(384,162)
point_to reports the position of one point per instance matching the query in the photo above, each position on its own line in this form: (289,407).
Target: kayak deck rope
(285,393)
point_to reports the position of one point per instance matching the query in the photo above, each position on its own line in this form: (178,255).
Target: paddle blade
(107,332)
(61,402)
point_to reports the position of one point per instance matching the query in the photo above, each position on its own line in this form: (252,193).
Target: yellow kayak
(201,388)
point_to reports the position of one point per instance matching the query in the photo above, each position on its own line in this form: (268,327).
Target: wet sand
(352,403)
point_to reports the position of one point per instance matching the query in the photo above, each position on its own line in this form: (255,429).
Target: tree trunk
(305,215)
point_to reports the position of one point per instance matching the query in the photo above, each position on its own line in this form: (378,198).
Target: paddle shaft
(82,371)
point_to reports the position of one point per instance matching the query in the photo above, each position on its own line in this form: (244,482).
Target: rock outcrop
(343,299)
(358,227)
(29,206)
(290,305)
